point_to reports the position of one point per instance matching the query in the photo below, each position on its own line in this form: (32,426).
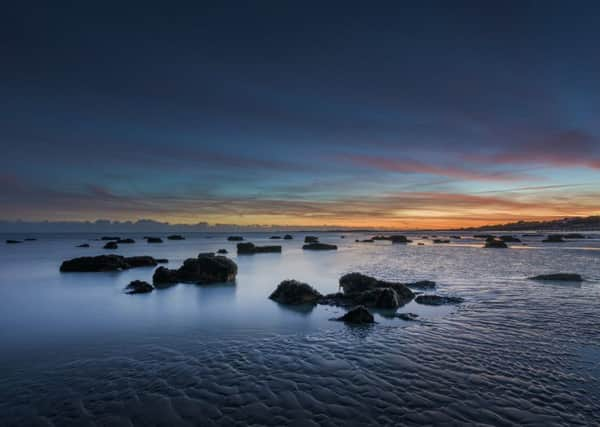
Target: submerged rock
(138,287)
(437,300)
(110,238)
(399,239)
(438,241)
(294,292)
(29,239)
(126,241)
(554,238)
(510,239)
(175,237)
(251,249)
(358,315)
(235,238)
(222,251)
(407,316)
(154,240)
(83,245)
(288,237)
(275,237)
(311,239)
(319,247)
(497,244)
(202,270)
(563,277)
(111,245)
(13,242)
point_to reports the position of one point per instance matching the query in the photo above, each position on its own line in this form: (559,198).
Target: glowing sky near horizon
(299,113)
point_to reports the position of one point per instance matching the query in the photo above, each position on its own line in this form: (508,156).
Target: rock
(355,283)
(484,236)
(175,237)
(13,242)
(566,236)
(529,235)
(138,287)
(235,238)
(288,237)
(358,315)
(202,254)
(110,238)
(319,247)
(564,277)
(498,244)
(421,244)
(111,245)
(251,249)
(438,241)
(407,316)
(202,270)
(311,239)
(83,245)
(162,261)
(126,241)
(365,241)
(275,237)
(222,251)
(422,284)
(154,240)
(510,239)
(437,300)
(140,261)
(379,298)
(456,237)
(29,239)
(554,238)
(399,239)
(294,292)
(380,237)
(95,264)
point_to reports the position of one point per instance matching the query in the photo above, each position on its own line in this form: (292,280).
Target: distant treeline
(565,224)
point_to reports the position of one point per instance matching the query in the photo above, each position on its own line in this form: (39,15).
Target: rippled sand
(515,353)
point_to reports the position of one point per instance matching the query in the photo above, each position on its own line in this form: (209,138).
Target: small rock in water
(162,261)
(497,244)
(202,270)
(288,237)
(202,254)
(566,236)
(275,237)
(30,239)
(437,300)
(407,316)
(379,298)
(126,241)
(235,238)
(12,242)
(83,245)
(319,247)
(438,241)
(311,239)
(222,251)
(422,284)
(110,238)
(111,245)
(510,239)
(251,249)
(554,238)
(564,277)
(138,287)
(293,292)
(358,315)
(154,240)
(140,261)
(175,237)
(399,239)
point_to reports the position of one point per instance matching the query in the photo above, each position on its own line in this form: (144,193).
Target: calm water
(77,351)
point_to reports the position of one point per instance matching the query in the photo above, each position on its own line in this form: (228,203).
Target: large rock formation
(293,292)
(201,270)
(365,290)
(251,249)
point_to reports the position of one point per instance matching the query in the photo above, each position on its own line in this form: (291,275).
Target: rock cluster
(201,270)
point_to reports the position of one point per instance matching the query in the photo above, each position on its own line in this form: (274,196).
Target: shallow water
(77,351)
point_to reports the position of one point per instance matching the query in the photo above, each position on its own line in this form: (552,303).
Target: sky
(362,114)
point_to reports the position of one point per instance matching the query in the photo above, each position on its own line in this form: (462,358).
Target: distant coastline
(564,224)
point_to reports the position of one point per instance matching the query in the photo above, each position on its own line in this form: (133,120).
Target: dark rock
(358,315)
(13,242)
(83,245)
(365,241)
(154,240)
(30,239)
(399,239)
(498,244)
(201,254)
(407,316)
(288,237)
(126,241)
(529,235)
(566,236)
(439,241)
(162,261)
(554,238)
(175,237)
(319,247)
(379,298)
(110,238)
(294,292)
(140,261)
(484,236)
(510,239)
(422,284)
(222,251)
(95,264)
(311,239)
(565,277)
(138,287)
(456,237)
(421,244)
(251,249)
(380,237)
(355,283)
(111,245)
(235,238)
(202,270)
(275,237)
(437,300)
(424,237)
